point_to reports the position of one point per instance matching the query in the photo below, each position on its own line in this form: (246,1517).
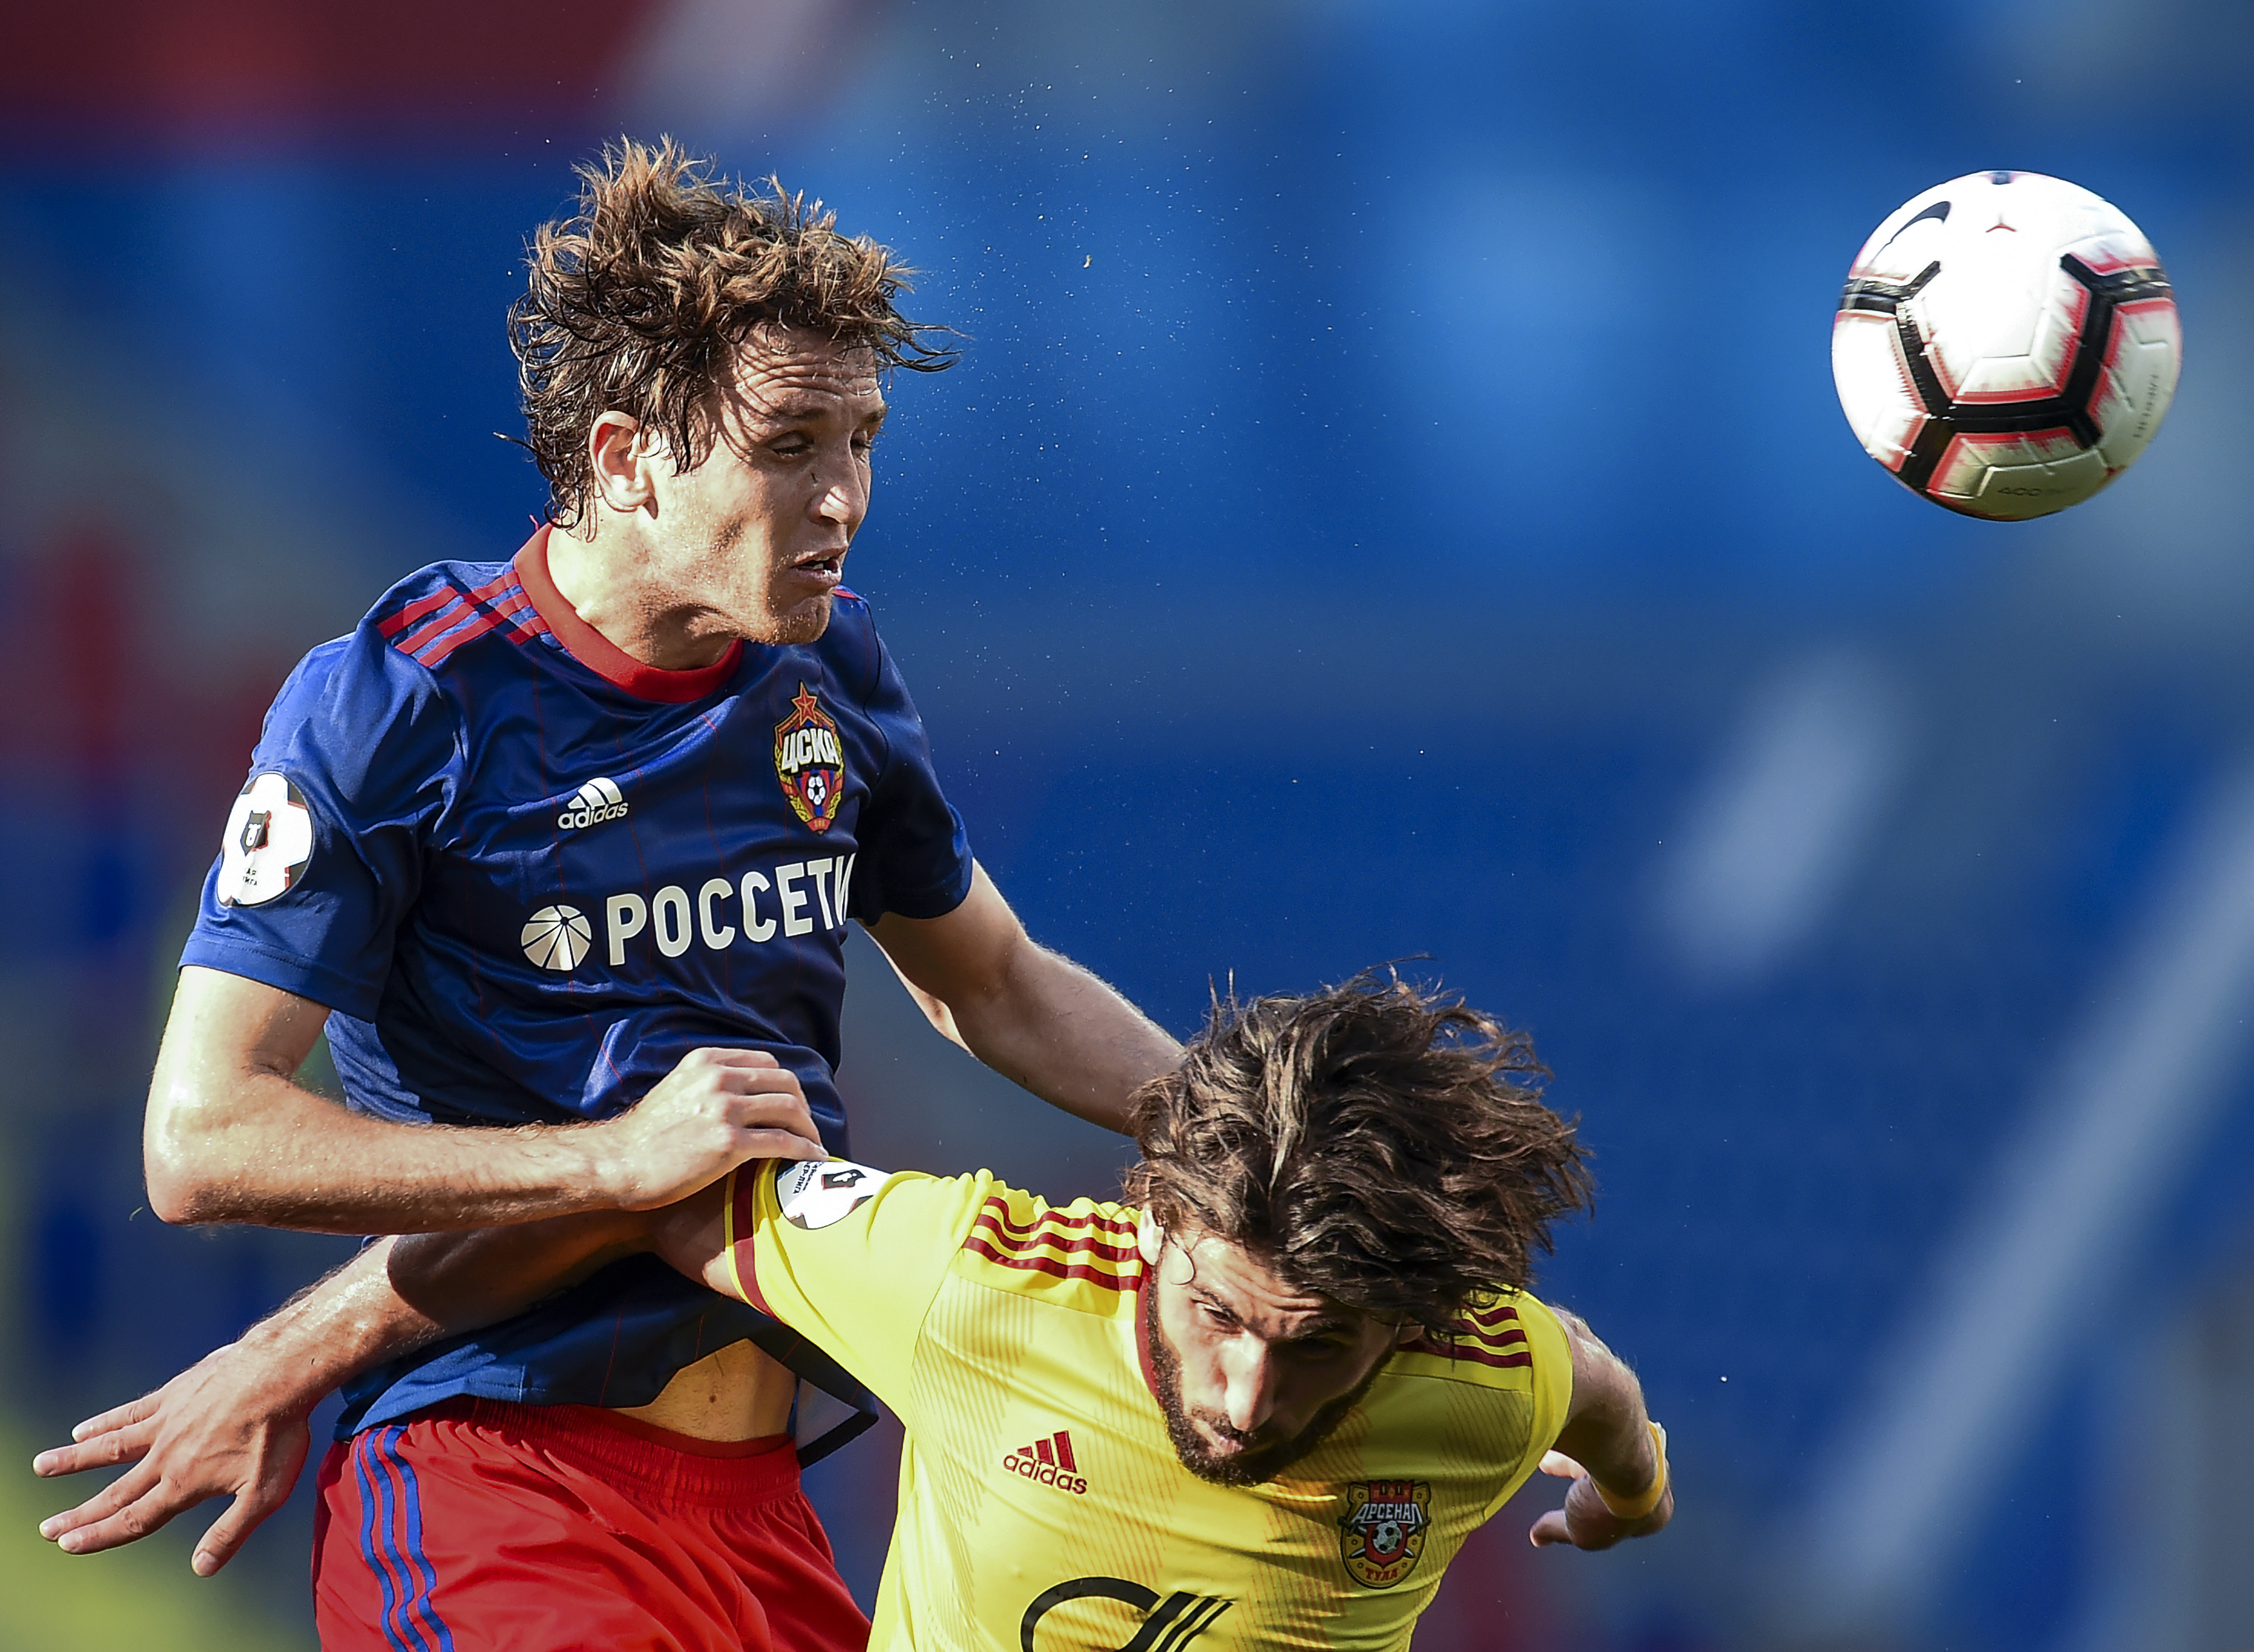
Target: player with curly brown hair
(1262,1403)
(560,851)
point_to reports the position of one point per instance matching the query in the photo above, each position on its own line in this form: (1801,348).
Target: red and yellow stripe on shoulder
(1082,1255)
(1487,1345)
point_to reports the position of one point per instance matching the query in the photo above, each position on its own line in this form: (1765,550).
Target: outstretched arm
(231,1137)
(1033,1015)
(234,1423)
(1610,1449)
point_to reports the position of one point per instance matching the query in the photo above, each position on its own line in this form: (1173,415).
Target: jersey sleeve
(1552,1392)
(321,857)
(850,1257)
(914,858)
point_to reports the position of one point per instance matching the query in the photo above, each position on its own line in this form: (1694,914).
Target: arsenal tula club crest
(809,761)
(1381,1534)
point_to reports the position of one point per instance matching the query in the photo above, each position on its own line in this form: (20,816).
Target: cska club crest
(809,760)
(1381,1534)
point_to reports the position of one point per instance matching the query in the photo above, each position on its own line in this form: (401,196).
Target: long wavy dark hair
(1380,1145)
(639,303)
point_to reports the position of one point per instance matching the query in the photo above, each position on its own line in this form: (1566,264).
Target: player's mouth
(1224,1442)
(827,567)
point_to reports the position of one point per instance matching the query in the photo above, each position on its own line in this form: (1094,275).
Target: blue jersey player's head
(702,369)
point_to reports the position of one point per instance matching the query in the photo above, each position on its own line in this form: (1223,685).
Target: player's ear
(1149,1238)
(619,452)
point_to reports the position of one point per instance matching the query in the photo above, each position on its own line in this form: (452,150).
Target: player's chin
(1229,1469)
(1231,1465)
(786,623)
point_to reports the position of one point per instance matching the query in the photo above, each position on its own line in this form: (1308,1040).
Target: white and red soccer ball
(2007,344)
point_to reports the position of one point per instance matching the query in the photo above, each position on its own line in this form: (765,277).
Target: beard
(1262,1459)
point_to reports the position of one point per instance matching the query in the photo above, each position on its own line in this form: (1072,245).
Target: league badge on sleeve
(269,839)
(809,760)
(817,1192)
(1381,1534)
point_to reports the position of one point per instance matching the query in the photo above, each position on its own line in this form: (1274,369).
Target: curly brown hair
(1379,1146)
(639,303)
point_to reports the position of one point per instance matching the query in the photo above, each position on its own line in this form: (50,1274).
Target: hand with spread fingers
(223,1427)
(234,1423)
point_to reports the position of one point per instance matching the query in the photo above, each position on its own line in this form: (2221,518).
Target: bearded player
(1281,1384)
(560,851)
(1260,1405)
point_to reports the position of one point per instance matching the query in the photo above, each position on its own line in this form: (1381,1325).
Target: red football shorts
(478,1524)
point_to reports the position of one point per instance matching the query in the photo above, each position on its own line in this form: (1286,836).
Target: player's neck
(606,579)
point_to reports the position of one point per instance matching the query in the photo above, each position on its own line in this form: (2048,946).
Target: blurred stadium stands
(1393,506)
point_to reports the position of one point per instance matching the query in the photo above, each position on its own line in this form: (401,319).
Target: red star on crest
(804,701)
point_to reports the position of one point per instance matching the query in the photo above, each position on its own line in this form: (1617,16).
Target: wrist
(301,1357)
(1638,1505)
(595,1175)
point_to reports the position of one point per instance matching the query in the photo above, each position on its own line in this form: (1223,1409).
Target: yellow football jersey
(1042,1505)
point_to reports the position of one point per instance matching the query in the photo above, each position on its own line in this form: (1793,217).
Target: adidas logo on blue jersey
(598,801)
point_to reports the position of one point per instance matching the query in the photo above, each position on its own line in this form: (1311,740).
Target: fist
(717,1109)
(1584,1522)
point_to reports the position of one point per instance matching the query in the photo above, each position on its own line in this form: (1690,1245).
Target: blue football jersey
(527,874)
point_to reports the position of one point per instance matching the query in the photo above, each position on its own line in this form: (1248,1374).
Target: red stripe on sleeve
(434,653)
(415,611)
(745,1190)
(1108,1280)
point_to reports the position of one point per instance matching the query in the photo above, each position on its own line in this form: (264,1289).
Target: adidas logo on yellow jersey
(1049,1462)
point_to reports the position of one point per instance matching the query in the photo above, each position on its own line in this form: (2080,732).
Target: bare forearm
(1607,1429)
(231,1137)
(1031,1015)
(331,1332)
(1066,1035)
(399,1293)
(282,1156)
(464,1281)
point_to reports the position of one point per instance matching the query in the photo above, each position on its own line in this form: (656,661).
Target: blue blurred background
(1393,506)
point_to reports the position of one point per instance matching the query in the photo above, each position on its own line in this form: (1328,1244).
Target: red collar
(598,653)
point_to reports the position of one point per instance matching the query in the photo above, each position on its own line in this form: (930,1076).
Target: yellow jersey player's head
(1322,1180)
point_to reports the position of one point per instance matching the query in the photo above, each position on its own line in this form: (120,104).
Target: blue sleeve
(321,858)
(915,857)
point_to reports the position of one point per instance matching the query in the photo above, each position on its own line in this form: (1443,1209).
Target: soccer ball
(2007,344)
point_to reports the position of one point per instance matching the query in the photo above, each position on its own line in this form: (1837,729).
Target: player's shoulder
(1497,1344)
(1081,1256)
(437,612)
(384,670)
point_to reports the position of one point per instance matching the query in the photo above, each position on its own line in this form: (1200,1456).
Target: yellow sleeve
(850,1257)
(1552,1391)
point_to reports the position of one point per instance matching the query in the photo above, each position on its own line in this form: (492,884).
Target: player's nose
(1250,1371)
(845,500)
